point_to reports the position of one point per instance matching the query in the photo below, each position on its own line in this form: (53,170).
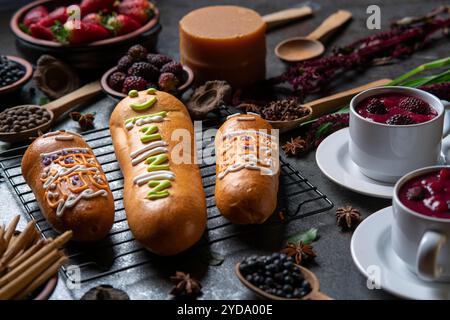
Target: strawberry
(41,32)
(88,32)
(122,24)
(94,18)
(139,10)
(59,14)
(35,15)
(88,6)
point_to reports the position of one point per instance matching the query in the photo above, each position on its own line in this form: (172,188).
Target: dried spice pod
(348,217)
(105,292)
(209,97)
(54,77)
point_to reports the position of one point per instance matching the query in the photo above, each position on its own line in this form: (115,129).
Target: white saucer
(334,161)
(372,253)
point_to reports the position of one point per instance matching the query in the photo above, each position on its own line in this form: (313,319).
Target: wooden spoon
(325,105)
(56,109)
(315,293)
(285,16)
(303,48)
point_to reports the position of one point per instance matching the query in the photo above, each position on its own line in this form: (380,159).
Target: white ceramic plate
(334,161)
(373,255)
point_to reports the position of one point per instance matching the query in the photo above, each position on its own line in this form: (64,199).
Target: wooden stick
(11,228)
(35,258)
(18,245)
(2,241)
(24,279)
(36,283)
(28,253)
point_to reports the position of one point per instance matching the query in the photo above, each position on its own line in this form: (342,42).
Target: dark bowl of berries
(87,34)
(140,70)
(14,73)
(278,277)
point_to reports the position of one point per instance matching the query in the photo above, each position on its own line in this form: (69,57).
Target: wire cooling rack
(297,198)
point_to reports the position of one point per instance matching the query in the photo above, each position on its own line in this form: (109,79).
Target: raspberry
(137,52)
(435,187)
(375,106)
(400,119)
(134,83)
(173,67)
(415,105)
(168,82)
(116,80)
(124,63)
(144,70)
(444,174)
(415,193)
(158,60)
(436,204)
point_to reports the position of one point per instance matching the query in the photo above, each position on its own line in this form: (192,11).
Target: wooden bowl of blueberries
(14,73)
(139,70)
(104,31)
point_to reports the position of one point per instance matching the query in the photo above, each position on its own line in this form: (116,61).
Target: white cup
(421,241)
(386,152)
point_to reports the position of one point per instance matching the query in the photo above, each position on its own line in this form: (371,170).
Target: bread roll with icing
(163,192)
(247,169)
(69,185)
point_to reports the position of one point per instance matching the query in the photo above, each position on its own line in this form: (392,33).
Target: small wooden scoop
(315,293)
(56,109)
(326,105)
(279,18)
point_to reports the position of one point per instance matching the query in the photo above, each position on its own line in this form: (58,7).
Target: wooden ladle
(325,105)
(315,293)
(56,109)
(303,48)
(279,18)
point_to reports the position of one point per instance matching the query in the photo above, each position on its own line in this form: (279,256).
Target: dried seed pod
(208,97)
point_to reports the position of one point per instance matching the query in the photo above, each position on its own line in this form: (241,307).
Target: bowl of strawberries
(87,34)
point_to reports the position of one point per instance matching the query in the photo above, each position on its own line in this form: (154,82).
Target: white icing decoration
(73,133)
(254,114)
(233,115)
(64,138)
(150,153)
(64,172)
(142,121)
(154,175)
(73,199)
(49,134)
(68,150)
(246,119)
(147,147)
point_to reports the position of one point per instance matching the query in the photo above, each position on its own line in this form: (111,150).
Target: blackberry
(116,80)
(158,60)
(137,52)
(375,106)
(168,82)
(134,83)
(144,70)
(173,67)
(124,63)
(400,119)
(415,193)
(415,105)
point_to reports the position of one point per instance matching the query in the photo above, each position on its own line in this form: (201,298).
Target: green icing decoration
(151,91)
(134,119)
(144,105)
(150,134)
(158,189)
(155,163)
(133,93)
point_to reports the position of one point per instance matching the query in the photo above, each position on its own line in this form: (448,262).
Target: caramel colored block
(224,43)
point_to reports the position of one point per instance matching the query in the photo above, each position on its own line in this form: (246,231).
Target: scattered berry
(168,82)
(415,105)
(137,52)
(415,193)
(116,80)
(158,60)
(124,63)
(144,70)
(173,67)
(375,106)
(400,119)
(134,83)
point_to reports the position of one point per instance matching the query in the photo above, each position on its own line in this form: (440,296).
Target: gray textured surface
(334,267)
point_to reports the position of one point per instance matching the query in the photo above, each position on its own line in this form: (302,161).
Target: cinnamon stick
(11,228)
(2,241)
(28,253)
(35,258)
(24,279)
(36,283)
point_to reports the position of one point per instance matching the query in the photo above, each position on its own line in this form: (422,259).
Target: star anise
(185,285)
(348,217)
(294,147)
(85,120)
(301,252)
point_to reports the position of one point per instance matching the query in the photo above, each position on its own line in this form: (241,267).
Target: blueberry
(289,296)
(287,288)
(279,293)
(269,281)
(249,278)
(278,276)
(288,265)
(288,280)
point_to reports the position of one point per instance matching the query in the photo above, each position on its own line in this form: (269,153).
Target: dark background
(334,267)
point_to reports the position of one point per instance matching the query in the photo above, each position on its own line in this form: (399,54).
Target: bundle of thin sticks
(26,260)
